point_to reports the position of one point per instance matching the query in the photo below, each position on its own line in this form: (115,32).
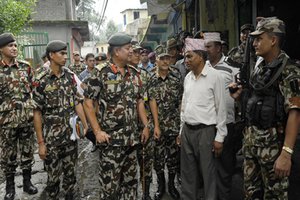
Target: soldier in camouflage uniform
(77,67)
(236,54)
(166,90)
(15,116)
(117,89)
(55,100)
(272,111)
(145,152)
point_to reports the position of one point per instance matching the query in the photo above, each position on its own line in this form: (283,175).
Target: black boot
(161,186)
(146,195)
(69,196)
(10,187)
(27,185)
(171,187)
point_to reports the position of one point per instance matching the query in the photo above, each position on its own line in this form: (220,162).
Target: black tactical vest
(265,107)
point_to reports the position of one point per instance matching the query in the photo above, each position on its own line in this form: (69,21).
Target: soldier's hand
(178,140)
(102,136)
(237,90)
(217,148)
(156,133)
(42,151)
(282,165)
(145,135)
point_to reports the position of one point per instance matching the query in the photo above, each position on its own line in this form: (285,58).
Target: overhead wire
(102,16)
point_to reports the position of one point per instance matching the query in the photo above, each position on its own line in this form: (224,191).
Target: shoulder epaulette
(132,67)
(100,66)
(24,62)
(175,72)
(68,70)
(40,75)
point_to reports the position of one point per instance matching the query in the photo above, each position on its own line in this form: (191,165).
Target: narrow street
(87,178)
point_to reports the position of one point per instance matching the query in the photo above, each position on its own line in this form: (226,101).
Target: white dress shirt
(228,73)
(203,101)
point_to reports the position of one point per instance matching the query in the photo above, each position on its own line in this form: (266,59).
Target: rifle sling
(274,78)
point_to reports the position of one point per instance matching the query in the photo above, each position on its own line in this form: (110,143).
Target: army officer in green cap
(56,100)
(117,88)
(16,131)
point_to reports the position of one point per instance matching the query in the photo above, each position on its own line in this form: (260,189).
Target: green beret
(6,38)
(119,39)
(55,46)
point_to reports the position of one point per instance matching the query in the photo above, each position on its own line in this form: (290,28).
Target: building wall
(59,32)
(218,15)
(54,10)
(88,47)
(102,46)
(130,16)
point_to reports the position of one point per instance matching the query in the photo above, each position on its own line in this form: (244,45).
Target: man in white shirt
(203,123)
(226,163)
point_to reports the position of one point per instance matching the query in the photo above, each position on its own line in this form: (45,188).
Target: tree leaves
(14,14)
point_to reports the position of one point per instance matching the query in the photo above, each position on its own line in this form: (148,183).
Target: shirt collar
(204,71)
(3,64)
(221,61)
(53,75)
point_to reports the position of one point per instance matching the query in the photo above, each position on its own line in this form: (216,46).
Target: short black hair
(89,55)
(201,53)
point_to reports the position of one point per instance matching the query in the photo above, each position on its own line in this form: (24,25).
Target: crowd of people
(182,111)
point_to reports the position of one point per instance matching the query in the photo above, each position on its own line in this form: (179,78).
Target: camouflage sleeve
(152,89)
(93,86)
(76,86)
(180,91)
(290,87)
(38,96)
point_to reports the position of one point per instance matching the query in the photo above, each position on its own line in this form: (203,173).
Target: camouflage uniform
(167,93)
(56,98)
(77,68)
(117,97)
(145,152)
(262,146)
(16,116)
(237,53)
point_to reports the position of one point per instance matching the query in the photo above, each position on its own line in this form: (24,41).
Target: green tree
(14,14)
(86,11)
(111,28)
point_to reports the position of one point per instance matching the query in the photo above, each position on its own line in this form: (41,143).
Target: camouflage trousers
(145,153)
(14,140)
(261,148)
(166,151)
(117,172)
(60,160)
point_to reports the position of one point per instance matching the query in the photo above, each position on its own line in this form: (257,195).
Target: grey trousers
(197,162)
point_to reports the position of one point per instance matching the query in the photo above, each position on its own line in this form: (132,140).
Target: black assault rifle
(243,77)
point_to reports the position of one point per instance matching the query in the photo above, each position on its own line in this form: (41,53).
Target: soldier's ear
(51,54)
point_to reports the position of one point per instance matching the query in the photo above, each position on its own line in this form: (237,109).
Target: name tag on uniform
(109,82)
(51,88)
